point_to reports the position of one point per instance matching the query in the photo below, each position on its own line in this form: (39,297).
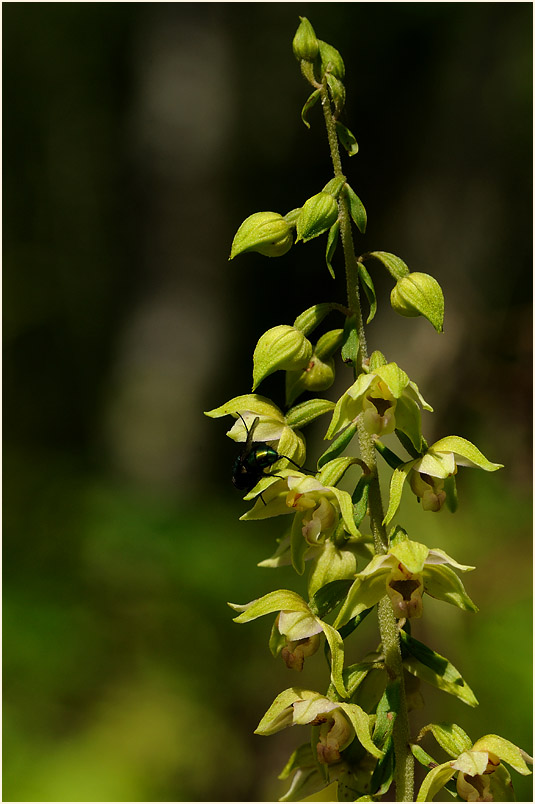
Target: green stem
(404,773)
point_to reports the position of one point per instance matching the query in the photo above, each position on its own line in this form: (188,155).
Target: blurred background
(137,137)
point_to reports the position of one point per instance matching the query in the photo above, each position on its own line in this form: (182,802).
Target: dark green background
(137,137)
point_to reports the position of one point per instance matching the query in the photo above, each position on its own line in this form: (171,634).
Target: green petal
(435,781)
(280,713)
(255,403)
(362,725)
(501,785)
(505,750)
(281,600)
(473,763)
(411,554)
(409,421)
(394,377)
(413,393)
(336,644)
(450,737)
(466,453)
(441,582)
(438,556)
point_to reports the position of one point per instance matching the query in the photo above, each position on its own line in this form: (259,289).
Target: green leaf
(311,101)
(395,265)
(423,757)
(360,498)
(369,290)
(354,623)
(435,669)
(337,446)
(399,477)
(390,457)
(387,711)
(332,472)
(354,675)
(350,348)
(347,139)
(304,413)
(332,242)
(383,773)
(356,208)
(332,564)
(329,596)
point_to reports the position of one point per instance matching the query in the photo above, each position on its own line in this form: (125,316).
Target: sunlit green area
(137,137)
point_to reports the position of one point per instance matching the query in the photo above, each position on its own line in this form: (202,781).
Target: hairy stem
(404,773)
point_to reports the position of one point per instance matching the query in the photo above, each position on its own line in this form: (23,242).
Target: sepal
(419,294)
(331,60)
(347,139)
(356,208)
(305,45)
(281,347)
(317,215)
(266,232)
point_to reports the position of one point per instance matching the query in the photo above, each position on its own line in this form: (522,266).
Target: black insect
(255,456)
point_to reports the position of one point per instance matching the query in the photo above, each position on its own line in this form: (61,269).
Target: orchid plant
(357,559)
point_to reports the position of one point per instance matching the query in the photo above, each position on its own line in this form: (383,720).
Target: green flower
(404,573)
(387,400)
(296,622)
(428,473)
(272,427)
(339,723)
(481,776)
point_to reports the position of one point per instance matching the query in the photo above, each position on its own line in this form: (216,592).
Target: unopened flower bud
(305,45)
(331,61)
(266,232)
(419,294)
(317,215)
(281,347)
